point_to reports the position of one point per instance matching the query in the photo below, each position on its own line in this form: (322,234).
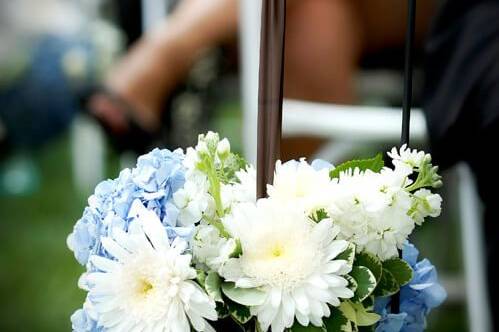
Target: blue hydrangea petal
(319,164)
(391,323)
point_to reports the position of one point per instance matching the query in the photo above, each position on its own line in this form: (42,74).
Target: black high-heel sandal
(135,138)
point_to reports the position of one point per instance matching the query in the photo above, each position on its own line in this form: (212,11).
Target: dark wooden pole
(270,91)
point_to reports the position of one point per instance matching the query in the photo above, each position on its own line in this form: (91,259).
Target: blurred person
(48,49)
(325,40)
(462,106)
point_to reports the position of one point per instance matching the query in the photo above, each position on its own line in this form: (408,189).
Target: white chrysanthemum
(209,248)
(291,259)
(149,286)
(371,210)
(299,182)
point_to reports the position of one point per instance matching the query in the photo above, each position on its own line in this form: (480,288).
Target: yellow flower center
(144,287)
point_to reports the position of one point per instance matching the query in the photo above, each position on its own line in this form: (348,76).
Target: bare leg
(161,58)
(323,46)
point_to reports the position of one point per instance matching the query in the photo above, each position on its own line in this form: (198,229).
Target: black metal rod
(408,69)
(407,102)
(270,91)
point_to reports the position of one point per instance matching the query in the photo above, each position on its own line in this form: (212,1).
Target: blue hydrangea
(153,181)
(417,298)
(82,322)
(319,164)
(156,177)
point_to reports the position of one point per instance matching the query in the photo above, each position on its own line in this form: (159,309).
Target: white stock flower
(149,285)
(291,259)
(243,191)
(407,158)
(426,204)
(193,200)
(223,148)
(297,181)
(209,248)
(371,210)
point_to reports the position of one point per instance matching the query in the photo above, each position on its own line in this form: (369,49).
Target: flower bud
(202,148)
(223,149)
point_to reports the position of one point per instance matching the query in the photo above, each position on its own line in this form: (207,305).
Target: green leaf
(319,215)
(240,313)
(337,321)
(374,164)
(370,261)
(244,296)
(348,254)
(238,250)
(201,277)
(352,284)
(297,327)
(368,303)
(366,282)
(212,285)
(367,328)
(364,317)
(348,311)
(222,310)
(400,270)
(388,285)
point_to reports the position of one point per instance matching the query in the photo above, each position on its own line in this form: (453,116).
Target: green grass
(38,274)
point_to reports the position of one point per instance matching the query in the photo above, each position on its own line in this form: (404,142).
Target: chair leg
(473,252)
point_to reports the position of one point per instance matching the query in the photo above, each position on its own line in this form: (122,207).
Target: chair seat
(349,123)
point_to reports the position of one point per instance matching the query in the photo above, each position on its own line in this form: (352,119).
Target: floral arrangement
(180,243)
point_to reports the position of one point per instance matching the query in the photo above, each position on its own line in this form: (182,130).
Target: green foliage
(352,283)
(212,286)
(240,313)
(400,270)
(372,262)
(238,251)
(337,321)
(374,164)
(297,327)
(201,277)
(427,176)
(388,285)
(366,282)
(222,309)
(348,254)
(319,215)
(244,296)
(357,314)
(229,166)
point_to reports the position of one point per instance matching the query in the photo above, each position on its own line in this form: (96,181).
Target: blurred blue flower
(319,164)
(417,298)
(157,176)
(42,101)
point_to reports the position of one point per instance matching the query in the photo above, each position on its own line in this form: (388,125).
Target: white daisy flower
(291,259)
(149,286)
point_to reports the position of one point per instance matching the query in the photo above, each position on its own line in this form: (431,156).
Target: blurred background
(86,86)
